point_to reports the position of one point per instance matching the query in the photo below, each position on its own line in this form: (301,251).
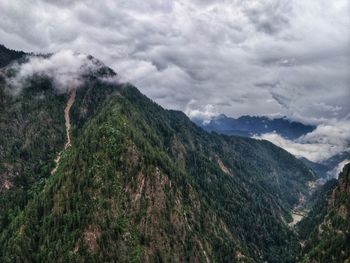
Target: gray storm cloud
(274,57)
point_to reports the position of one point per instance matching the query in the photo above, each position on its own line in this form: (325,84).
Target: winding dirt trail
(70,102)
(67,118)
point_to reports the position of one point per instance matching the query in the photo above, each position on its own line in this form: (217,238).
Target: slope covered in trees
(139,183)
(326,231)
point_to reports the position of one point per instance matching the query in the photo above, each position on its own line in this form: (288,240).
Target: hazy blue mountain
(248,126)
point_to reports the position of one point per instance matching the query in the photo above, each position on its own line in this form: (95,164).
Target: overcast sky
(274,57)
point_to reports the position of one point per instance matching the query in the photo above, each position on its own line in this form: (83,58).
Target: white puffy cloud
(324,142)
(205,112)
(65,68)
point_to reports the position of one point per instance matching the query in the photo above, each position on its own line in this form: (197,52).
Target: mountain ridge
(139,183)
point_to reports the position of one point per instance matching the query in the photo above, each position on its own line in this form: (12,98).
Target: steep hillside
(326,230)
(138,183)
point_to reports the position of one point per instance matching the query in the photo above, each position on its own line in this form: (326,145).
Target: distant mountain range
(248,126)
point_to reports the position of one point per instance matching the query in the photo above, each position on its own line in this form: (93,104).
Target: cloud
(204,113)
(212,52)
(66,68)
(324,142)
(269,16)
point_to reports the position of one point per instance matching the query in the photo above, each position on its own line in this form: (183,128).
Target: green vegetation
(32,132)
(138,184)
(326,229)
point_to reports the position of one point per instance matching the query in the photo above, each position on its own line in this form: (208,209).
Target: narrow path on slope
(71,98)
(67,118)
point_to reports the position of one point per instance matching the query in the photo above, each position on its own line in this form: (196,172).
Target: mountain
(326,230)
(255,125)
(102,174)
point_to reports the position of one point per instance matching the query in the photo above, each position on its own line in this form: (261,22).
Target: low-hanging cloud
(65,68)
(324,142)
(204,113)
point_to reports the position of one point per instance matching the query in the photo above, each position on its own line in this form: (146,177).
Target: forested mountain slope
(138,183)
(326,231)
